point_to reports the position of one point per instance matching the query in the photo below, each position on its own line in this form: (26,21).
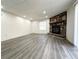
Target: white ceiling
(34,8)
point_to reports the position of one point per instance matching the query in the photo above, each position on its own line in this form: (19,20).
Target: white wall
(76,26)
(36,27)
(13,27)
(70,24)
(3,27)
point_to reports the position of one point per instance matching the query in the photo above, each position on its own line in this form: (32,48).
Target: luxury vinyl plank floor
(38,46)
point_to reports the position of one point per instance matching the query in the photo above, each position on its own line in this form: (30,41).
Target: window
(42,25)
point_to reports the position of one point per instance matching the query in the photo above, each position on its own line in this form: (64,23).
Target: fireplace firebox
(56,29)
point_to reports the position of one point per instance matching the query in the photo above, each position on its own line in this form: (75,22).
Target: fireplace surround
(58,24)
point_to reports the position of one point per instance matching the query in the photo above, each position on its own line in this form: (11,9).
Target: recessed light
(24,16)
(46,16)
(44,12)
(1,7)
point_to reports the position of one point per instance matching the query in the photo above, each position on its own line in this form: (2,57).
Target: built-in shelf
(58,24)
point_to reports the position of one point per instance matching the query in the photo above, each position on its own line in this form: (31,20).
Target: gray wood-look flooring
(36,46)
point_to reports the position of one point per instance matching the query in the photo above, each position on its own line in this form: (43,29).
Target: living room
(45,29)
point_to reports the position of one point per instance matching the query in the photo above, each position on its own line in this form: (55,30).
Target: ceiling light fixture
(24,16)
(46,16)
(1,7)
(44,12)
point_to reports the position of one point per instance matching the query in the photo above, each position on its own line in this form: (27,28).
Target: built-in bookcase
(58,24)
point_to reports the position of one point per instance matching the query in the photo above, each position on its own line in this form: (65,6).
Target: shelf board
(58,22)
